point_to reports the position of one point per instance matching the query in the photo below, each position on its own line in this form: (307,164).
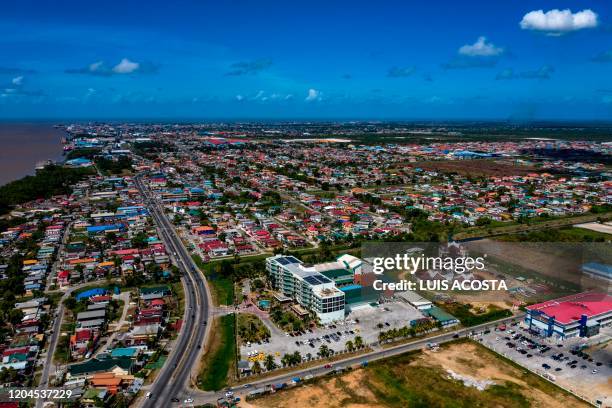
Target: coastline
(24,144)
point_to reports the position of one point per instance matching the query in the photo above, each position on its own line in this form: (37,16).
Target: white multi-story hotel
(309,287)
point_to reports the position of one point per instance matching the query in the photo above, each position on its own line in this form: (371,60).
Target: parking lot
(584,372)
(363,321)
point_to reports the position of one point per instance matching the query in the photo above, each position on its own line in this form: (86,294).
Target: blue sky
(520,60)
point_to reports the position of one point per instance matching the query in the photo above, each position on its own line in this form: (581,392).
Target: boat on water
(43,163)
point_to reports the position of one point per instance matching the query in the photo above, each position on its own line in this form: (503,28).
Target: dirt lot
(482,167)
(557,261)
(434,379)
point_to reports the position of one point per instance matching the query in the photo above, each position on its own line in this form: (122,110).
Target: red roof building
(580,314)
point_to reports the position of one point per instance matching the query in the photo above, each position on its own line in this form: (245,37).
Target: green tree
(269,362)
(358,342)
(324,351)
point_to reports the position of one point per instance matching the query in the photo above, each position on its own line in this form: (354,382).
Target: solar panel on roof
(312,280)
(323,279)
(286,260)
(282,261)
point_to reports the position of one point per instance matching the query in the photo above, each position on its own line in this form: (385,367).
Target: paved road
(56,331)
(180,369)
(211,397)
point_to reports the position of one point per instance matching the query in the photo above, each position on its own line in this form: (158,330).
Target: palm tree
(324,351)
(269,362)
(309,356)
(256,367)
(358,342)
(296,358)
(350,346)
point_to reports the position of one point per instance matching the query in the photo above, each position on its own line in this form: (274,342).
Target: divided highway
(178,373)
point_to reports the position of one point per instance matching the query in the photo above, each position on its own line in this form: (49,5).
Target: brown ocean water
(22,145)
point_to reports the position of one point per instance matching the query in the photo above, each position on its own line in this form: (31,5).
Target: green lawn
(222,288)
(221,355)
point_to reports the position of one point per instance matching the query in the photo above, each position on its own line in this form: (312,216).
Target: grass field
(534,225)
(222,288)
(428,379)
(569,234)
(220,357)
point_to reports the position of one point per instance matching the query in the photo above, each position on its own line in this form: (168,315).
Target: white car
(229,394)
(188,401)
(148,395)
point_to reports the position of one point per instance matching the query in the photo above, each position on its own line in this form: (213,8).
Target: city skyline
(538,61)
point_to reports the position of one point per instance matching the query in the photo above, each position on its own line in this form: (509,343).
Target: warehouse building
(579,315)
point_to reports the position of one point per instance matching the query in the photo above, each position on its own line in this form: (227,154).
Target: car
(247,385)
(558,369)
(573,366)
(148,395)
(229,394)
(327,366)
(594,371)
(188,401)
(583,366)
(175,400)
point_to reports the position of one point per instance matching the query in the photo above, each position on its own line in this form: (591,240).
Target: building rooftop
(570,308)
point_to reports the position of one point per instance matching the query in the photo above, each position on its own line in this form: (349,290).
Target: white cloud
(313,95)
(96,66)
(259,95)
(558,22)
(481,48)
(126,67)
(18,81)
